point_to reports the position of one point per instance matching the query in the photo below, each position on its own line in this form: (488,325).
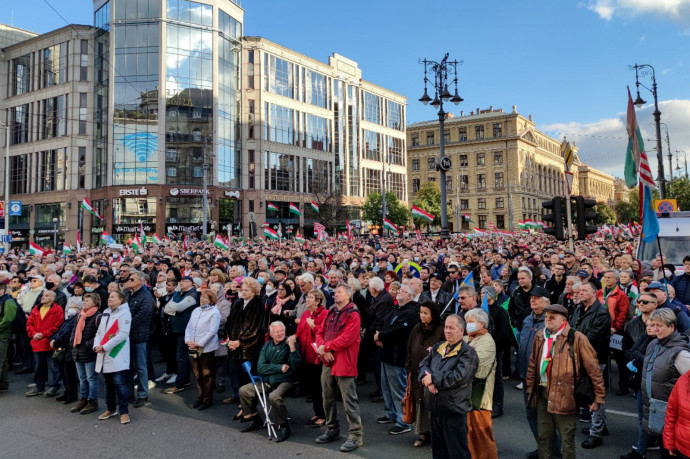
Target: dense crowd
(439,325)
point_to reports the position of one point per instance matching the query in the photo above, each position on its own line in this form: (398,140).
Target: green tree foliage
(630,211)
(397,213)
(679,190)
(428,199)
(604,214)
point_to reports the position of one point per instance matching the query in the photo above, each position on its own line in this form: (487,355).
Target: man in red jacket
(44,320)
(338,345)
(617,302)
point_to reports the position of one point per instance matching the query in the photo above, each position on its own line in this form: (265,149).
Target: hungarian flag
(220,243)
(171,236)
(184,243)
(107,238)
(78,242)
(421,214)
(86,204)
(315,206)
(349,231)
(66,249)
(157,239)
(271,206)
(166,239)
(468,218)
(298,237)
(521,224)
(294,209)
(35,249)
(270,233)
(635,145)
(137,245)
(390,226)
(142,234)
(110,334)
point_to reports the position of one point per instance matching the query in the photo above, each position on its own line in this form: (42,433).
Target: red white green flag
(294,209)
(86,204)
(421,214)
(157,239)
(468,218)
(390,226)
(35,249)
(110,334)
(137,245)
(78,242)
(315,206)
(220,243)
(270,233)
(271,206)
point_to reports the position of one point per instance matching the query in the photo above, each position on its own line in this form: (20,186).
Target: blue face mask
(88,289)
(261,280)
(416,259)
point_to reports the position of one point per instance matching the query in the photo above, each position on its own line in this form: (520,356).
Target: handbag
(408,409)
(478,389)
(657,408)
(60,355)
(584,389)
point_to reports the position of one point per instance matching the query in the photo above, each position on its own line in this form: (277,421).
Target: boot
(79,406)
(91,406)
(283,433)
(257,423)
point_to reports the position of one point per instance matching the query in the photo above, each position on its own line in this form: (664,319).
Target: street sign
(569,181)
(6,238)
(567,152)
(445,163)
(664,206)
(15,208)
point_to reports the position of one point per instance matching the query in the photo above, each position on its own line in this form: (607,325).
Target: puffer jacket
(47,326)
(617,303)
(141,307)
(396,332)
(677,424)
(83,352)
(595,323)
(561,381)
(530,327)
(682,285)
(452,375)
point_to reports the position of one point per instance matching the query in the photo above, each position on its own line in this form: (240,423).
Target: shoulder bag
(657,408)
(584,389)
(408,405)
(479,387)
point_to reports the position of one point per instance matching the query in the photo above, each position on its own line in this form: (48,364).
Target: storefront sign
(134,191)
(44,231)
(19,233)
(133,228)
(187,191)
(232,194)
(181,228)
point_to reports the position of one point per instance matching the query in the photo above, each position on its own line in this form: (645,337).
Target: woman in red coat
(677,423)
(310,369)
(43,322)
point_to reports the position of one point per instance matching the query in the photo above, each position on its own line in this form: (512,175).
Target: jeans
(88,380)
(182,354)
(4,364)
(642,437)
(43,361)
(138,366)
(348,390)
(117,390)
(393,385)
(598,416)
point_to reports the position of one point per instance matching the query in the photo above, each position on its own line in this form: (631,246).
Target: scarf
(547,352)
(82,323)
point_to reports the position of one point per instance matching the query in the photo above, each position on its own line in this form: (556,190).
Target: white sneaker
(163,378)
(172,380)
(519,386)
(31,386)
(152,384)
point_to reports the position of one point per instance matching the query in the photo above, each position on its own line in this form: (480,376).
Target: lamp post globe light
(644,70)
(436,75)
(55,232)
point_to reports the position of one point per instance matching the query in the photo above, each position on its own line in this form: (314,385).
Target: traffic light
(555,218)
(585,212)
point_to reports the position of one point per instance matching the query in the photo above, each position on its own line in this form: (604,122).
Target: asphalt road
(40,427)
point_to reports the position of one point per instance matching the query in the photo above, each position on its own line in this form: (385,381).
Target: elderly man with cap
(550,377)
(438,296)
(571,264)
(503,336)
(660,292)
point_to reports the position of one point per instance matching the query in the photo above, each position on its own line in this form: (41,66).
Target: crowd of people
(440,326)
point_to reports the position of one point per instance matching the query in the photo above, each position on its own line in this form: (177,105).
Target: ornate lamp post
(436,74)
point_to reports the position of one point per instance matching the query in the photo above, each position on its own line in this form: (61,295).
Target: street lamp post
(7,180)
(55,232)
(439,80)
(670,155)
(646,69)
(685,155)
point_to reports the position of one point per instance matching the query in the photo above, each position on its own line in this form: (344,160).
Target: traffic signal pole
(569,220)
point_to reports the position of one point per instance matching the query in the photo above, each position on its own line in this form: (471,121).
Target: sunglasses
(646,302)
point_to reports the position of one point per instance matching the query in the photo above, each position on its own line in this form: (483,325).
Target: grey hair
(336,272)
(50,293)
(376,283)
(614,272)
(241,269)
(665,315)
(139,275)
(409,290)
(577,285)
(525,269)
(480,315)
(467,289)
(277,323)
(461,321)
(307,278)
(347,288)
(355,283)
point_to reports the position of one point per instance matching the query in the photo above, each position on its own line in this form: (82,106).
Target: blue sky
(564,62)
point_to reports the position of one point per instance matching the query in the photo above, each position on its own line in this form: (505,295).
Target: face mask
(416,259)
(667,273)
(261,280)
(364,264)
(71,312)
(353,266)
(88,289)
(269,289)
(50,285)
(472,327)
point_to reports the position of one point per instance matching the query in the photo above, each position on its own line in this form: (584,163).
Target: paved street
(40,427)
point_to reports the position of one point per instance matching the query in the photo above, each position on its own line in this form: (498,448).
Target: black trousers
(68,373)
(310,380)
(449,436)
(623,372)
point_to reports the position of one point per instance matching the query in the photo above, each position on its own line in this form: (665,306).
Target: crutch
(261,395)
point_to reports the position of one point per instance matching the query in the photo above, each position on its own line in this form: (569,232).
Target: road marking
(622,413)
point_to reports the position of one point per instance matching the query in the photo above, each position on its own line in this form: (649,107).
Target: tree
(679,189)
(372,209)
(332,213)
(604,214)
(628,211)
(429,200)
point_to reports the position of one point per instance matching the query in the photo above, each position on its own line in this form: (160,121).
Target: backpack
(584,389)
(19,322)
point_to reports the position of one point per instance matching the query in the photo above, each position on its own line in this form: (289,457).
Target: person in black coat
(82,340)
(379,308)
(62,356)
(140,303)
(91,285)
(438,296)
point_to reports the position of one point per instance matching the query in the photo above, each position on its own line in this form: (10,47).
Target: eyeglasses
(452,272)
(550,316)
(646,302)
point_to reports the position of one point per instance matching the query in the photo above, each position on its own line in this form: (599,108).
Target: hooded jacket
(677,424)
(617,303)
(47,326)
(340,334)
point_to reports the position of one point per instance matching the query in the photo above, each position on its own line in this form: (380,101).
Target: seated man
(277,366)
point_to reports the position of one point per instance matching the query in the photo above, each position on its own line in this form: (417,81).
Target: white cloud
(603,144)
(676,10)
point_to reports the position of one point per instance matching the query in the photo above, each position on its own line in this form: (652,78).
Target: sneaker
(592,442)
(31,386)
(107,415)
(152,384)
(52,392)
(79,406)
(91,406)
(34,392)
(397,430)
(141,402)
(124,419)
(163,377)
(328,436)
(421,440)
(171,379)
(519,386)
(385,420)
(350,445)
(632,455)
(173,390)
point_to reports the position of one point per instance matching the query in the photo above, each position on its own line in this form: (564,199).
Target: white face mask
(269,289)
(71,312)
(472,327)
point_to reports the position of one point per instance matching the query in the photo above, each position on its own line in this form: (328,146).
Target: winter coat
(682,285)
(377,312)
(500,330)
(396,332)
(530,327)
(47,326)
(555,288)
(271,360)
(595,323)
(681,313)
(442,299)
(307,335)
(115,355)
(224,306)
(27,298)
(141,307)
(340,335)
(677,423)
(83,352)
(561,381)
(245,325)
(202,327)
(62,337)
(421,338)
(485,348)
(8,311)
(519,306)
(617,303)
(452,376)
(180,307)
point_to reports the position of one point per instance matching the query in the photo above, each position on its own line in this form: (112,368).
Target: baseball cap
(189,278)
(436,276)
(541,292)
(582,273)
(656,286)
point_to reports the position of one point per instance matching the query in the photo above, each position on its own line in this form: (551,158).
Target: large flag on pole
(107,238)
(422,214)
(315,206)
(387,224)
(78,242)
(650,224)
(86,204)
(271,206)
(294,209)
(142,234)
(220,243)
(635,145)
(35,249)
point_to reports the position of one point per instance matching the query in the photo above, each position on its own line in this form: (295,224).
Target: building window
(431,179)
(463,161)
(252,117)
(449,184)
(415,140)
(464,204)
(415,164)
(482,222)
(481,203)
(498,158)
(498,179)
(251,156)
(82,167)
(430,138)
(499,203)
(431,163)
(446,135)
(481,181)
(82,113)
(250,70)
(500,221)
(462,132)
(464,182)
(84,60)
(479,132)
(481,159)
(498,130)
(415,185)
